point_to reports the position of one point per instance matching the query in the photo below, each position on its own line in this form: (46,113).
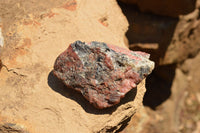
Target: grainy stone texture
(1,36)
(102,73)
(35,32)
(12,128)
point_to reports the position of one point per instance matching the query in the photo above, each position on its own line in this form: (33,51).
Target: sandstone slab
(36,32)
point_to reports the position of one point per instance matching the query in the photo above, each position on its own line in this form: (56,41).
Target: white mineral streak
(1,36)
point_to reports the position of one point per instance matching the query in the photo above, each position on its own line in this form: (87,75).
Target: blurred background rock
(169,31)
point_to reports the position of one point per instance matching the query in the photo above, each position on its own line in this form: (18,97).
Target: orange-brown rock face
(35,32)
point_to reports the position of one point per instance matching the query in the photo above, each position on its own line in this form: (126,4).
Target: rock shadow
(59,87)
(158,85)
(152,34)
(148,32)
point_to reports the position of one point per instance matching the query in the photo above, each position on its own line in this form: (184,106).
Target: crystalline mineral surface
(103,73)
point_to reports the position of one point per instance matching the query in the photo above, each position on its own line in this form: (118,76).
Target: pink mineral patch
(101,72)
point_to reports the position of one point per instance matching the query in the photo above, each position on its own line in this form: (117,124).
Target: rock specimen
(102,73)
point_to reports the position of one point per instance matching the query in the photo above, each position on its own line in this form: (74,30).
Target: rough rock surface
(1,36)
(35,32)
(102,73)
(172,8)
(11,128)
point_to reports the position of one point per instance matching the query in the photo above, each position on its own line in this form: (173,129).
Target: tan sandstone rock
(35,32)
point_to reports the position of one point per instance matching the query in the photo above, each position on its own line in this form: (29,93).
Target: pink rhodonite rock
(102,73)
